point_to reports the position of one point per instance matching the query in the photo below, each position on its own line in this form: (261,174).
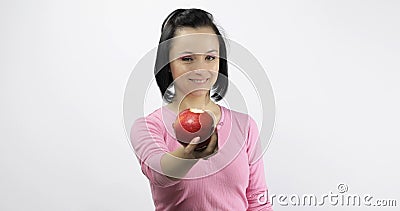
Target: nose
(201,65)
(200,71)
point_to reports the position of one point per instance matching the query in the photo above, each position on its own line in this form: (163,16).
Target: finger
(209,152)
(212,145)
(192,145)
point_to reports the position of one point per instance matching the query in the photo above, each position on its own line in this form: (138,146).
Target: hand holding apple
(189,152)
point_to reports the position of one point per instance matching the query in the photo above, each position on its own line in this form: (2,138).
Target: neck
(190,101)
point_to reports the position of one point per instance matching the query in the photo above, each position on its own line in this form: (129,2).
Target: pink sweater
(232,179)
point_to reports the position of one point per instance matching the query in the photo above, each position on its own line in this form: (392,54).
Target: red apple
(191,123)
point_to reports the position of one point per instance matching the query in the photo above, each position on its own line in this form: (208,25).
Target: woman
(226,175)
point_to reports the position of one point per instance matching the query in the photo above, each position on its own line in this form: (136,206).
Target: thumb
(192,145)
(195,140)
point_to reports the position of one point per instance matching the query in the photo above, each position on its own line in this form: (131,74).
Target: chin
(199,92)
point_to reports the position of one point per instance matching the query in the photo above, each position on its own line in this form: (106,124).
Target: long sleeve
(256,192)
(148,142)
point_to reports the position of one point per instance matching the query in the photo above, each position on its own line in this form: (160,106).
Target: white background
(334,67)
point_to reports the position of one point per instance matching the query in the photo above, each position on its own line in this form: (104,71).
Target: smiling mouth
(199,81)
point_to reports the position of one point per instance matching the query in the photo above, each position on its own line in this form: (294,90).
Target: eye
(186,58)
(210,58)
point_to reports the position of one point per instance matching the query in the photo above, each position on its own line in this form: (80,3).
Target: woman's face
(194,56)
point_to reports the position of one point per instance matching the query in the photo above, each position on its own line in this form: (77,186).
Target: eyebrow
(188,52)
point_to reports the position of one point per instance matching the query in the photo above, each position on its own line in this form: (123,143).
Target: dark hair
(187,18)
